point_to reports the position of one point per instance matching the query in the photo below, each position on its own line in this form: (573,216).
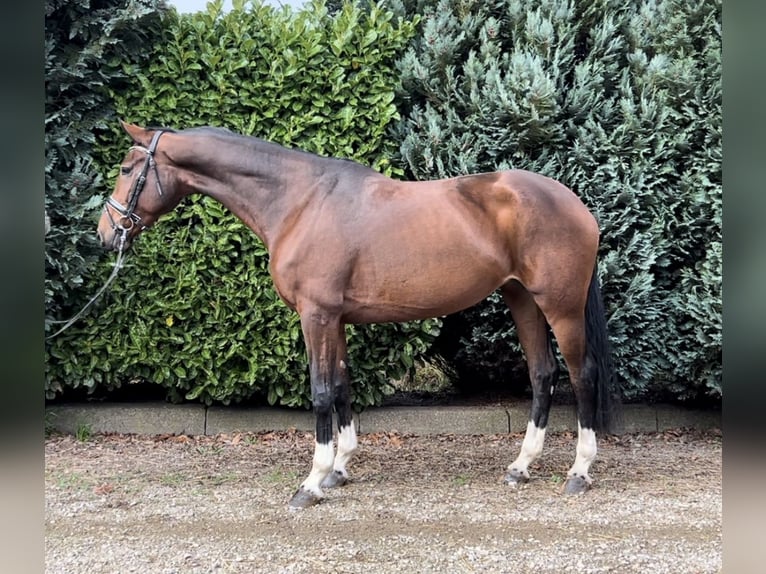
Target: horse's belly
(412,288)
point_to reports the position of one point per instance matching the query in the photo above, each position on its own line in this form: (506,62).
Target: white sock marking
(586,453)
(531,448)
(347,445)
(321,467)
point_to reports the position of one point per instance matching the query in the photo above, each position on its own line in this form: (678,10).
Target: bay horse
(350,245)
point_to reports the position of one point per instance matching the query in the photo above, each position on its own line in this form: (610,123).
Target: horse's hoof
(514,478)
(334,480)
(304,499)
(576,485)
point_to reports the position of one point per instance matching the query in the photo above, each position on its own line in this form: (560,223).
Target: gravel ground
(180,504)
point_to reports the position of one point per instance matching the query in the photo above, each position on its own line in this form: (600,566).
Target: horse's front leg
(347,443)
(320,331)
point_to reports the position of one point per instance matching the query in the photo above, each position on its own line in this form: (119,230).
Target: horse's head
(144,190)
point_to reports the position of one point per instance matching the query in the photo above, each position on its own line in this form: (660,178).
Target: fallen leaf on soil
(104,488)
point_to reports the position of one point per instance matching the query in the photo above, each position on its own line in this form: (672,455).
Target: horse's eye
(126,169)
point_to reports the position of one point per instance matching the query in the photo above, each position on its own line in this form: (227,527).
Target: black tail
(607,396)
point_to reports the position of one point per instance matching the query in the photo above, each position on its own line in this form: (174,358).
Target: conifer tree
(89,45)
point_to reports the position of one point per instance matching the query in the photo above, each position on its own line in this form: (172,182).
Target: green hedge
(621,101)
(194,310)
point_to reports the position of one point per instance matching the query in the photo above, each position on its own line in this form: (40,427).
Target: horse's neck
(258,182)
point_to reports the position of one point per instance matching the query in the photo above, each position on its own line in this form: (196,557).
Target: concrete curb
(163,418)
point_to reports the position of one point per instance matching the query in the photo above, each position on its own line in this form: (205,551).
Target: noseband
(129,218)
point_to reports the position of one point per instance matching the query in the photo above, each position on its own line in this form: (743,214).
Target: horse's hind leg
(570,335)
(347,443)
(535,340)
(583,339)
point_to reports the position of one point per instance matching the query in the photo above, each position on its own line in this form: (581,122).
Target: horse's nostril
(103,239)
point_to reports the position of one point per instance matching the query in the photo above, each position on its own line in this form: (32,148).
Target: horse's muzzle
(113,241)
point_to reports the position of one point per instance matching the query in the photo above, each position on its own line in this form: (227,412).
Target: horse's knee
(322,403)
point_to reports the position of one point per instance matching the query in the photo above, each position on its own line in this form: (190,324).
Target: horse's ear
(138,134)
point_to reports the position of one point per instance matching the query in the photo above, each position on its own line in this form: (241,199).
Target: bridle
(128,217)
(128,220)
